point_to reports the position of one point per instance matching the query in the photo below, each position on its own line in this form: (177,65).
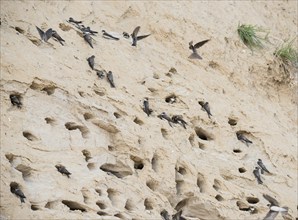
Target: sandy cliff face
(124,164)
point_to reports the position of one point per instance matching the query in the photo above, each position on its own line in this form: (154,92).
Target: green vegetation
(287,52)
(249,35)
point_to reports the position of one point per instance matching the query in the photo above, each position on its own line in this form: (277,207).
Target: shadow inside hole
(73,126)
(152,184)
(219,198)
(138,164)
(98,191)
(148,204)
(202,146)
(50,121)
(164,133)
(101,205)
(242,170)
(182,171)
(74,205)
(192,140)
(201,183)
(232,121)
(154,163)
(237,151)
(129,205)
(181,204)
(102,213)
(91,166)
(49,90)
(252,200)
(86,154)
(29,136)
(117,115)
(171,99)
(138,121)
(35,207)
(203,135)
(88,116)
(111,148)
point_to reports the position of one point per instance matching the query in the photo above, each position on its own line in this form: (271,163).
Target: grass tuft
(287,53)
(249,35)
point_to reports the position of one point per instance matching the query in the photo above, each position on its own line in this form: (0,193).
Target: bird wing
(135,31)
(270,215)
(197,45)
(271,200)
(142,37)
(49,33)
(41,33)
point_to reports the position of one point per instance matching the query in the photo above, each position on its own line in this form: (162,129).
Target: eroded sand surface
(124,164)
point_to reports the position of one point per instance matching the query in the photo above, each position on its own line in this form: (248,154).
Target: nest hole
(232,121)
(74,205)
(129,205)
(138,163)
(252,200)
(148,204)
(50,90)
(86,154)
(237,151)
(182,171)
(171,99)
(35,207)
(102,213)
(117,115)
(219,198)
(138,121)
(242,170)
(164,133)
(29,136)
(152,185)
(203,135)
(91,166)
(101,205)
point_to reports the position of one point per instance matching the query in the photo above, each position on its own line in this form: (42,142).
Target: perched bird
(91,61)
(71,20)
(256,172)
(243,139)
(206,107)
(87,30)
(179,120)
(135,36)
(63,170)
(263,168)
(15,100)
(274,208)
(125,35)
(108,36)
(146,108)
(18,193)
(88,38)
(45,36)
(195,47)
(171,99)
(100,74)
(110,79)
(178,216)
(163,115)
(57,37)
(165,215)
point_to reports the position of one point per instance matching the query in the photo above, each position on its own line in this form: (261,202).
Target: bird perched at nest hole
(242,138)
(195,47)
(263,167)
(163,115)
(146,108)
(256,173)
(71,20)
(18,193)
(16,100)
(88,38)
(91,61)
(179,120)
(63,170)
(206,107)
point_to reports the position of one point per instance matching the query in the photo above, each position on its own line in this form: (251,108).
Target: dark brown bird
(256,173)
(206,107)
(195,47)
(45,36)
(263,168)
(146,108)
(88,38)
(163,115)
(91,61)
(63,170)
(18,193)
(16,100)
(57,37)
(243,139)
(111,79)
(179,120)
(135,36)
(71,20)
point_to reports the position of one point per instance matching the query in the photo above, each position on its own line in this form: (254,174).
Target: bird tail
(285,211)
(260,181)
(22,200)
